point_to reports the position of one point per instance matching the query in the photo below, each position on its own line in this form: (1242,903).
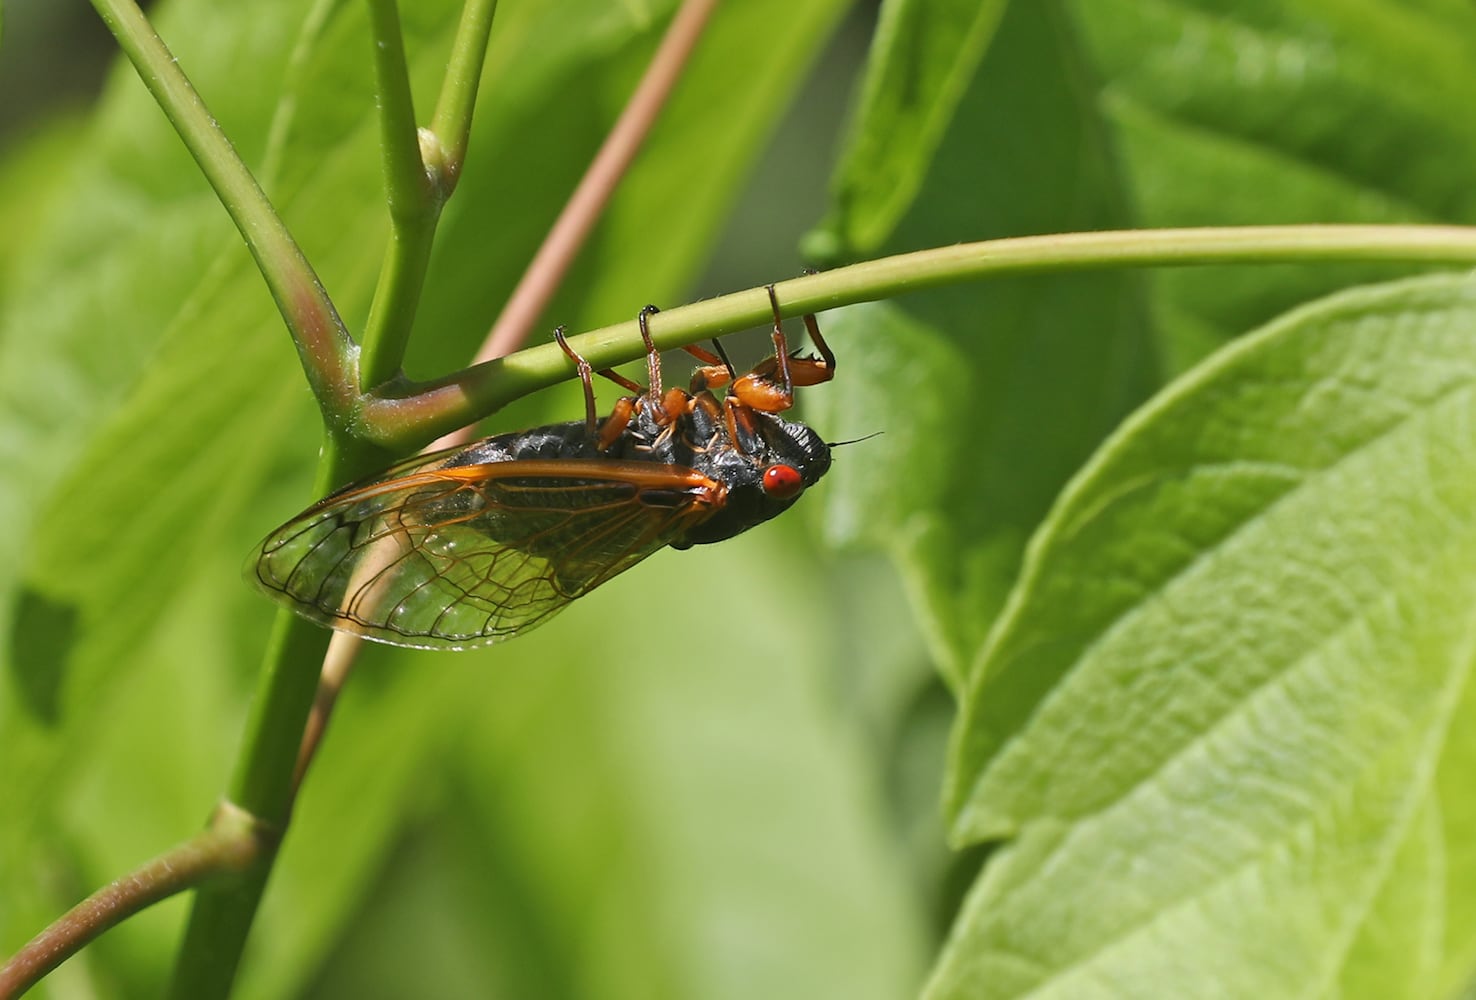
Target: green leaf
(1304,111)
(1087,115)
(1223,719)
(923,56)
(991,396)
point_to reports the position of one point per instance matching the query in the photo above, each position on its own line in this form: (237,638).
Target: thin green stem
(232,843)
(451,124)
(327,352)
(407,187)
(406,416)
(414,204)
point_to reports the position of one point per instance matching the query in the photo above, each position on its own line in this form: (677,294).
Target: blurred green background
(719,775)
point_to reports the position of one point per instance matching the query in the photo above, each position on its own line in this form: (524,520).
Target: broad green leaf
(924,55)
(1225,720)
(1187,113)
(1299,111)
(990,396)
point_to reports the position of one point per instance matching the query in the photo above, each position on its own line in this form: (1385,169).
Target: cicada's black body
(468,546)
(696,441)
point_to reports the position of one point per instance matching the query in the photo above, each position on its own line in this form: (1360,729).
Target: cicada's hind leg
(582,366)
(607,433)
(811,371)
(666,406)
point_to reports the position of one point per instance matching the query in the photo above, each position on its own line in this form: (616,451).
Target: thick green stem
(327,351)
(264,782)
(420,169)
(221,916)
(406,416)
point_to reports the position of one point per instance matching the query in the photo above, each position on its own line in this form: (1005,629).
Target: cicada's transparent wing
(451,558)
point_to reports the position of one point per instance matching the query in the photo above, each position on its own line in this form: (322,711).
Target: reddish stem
(233,842)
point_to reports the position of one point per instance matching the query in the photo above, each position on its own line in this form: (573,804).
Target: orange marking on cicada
(707,377)
(674,405)
(616,423)
(643,475)
(715,371)
(769,387)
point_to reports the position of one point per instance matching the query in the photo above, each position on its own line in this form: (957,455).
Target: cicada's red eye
(783,481)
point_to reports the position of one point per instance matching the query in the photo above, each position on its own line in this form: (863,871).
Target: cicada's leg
(665,407)
(582,366)
(653,362)
(770,386)
(813,371)
(738,416)
(801,370)
(622,381)
(653,356)
(616,422)
(716,370)
(671,404)
(824,366)
(609,432)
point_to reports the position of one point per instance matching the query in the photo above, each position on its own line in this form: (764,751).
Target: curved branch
(328,353)
(232,843)
(404,415)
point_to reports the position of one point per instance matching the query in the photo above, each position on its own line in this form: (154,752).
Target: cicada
(472,545)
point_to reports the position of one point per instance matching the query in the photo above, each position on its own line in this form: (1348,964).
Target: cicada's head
(765,474)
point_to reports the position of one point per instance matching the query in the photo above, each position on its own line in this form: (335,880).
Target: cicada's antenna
(868,437)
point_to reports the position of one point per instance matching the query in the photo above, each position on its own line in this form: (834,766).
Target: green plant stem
(407,415)
(451,124)
(407,187)
(327,352)
(264,782)
(263,785)
(233,842)
(221,916)
(420,169)
(414,204)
